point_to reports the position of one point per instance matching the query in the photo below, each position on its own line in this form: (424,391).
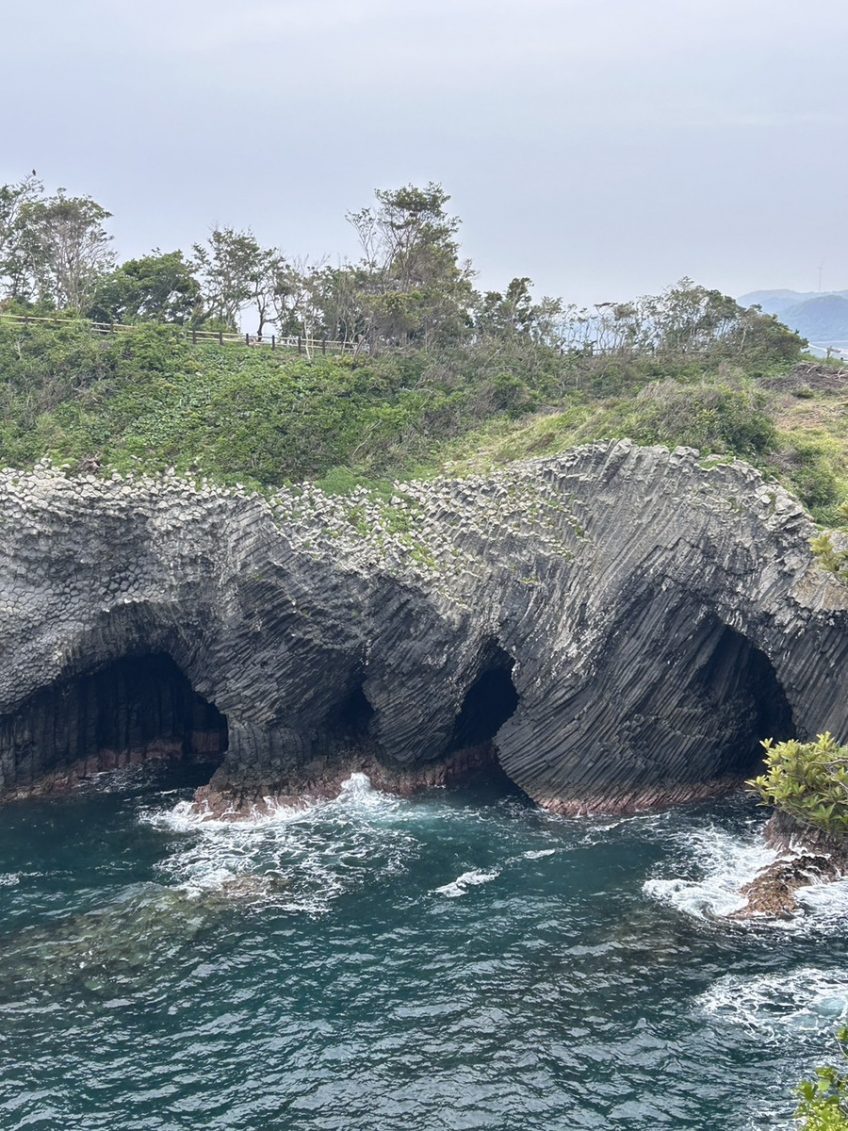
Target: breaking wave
(299,858)
(461,884)
(716,864)
(713,866)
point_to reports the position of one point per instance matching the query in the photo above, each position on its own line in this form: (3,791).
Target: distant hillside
(821,318)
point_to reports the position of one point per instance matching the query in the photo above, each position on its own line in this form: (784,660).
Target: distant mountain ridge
(820,317)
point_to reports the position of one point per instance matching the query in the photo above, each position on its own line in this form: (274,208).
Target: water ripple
(455,961)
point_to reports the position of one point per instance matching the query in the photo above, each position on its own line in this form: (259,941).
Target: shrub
(824,1100)
(814,464)
(807,780)
(711,417)
(829,557)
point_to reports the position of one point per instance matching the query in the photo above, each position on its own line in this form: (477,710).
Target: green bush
(824,1100)
(813,465)
(712,417)
(807,780)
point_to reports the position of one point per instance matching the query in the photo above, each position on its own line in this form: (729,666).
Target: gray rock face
(623,623)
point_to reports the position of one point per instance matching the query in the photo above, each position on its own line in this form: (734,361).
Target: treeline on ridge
(437,376)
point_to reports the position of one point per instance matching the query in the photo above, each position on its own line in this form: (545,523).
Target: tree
(414,289)
(295,293)
(159,287)
(515,314)
(16,246)
(807,780)
(338,296)
(68,248)
(235,272)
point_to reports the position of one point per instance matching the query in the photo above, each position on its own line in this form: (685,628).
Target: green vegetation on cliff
(807,780)
(428,373)
(148,399)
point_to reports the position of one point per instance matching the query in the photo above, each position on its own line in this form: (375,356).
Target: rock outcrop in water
(621,625)
(807,857)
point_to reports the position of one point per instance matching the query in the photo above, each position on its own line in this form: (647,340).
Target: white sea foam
(825,904)
(538,854)
(9,879)
(310,855)
(467,880)
(716,866)
(189,816)
(808,1000)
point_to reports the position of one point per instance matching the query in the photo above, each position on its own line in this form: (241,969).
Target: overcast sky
(605,148)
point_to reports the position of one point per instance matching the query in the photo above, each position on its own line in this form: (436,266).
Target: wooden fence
(302,344)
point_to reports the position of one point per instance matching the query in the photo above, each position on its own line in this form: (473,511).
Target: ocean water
(459,960)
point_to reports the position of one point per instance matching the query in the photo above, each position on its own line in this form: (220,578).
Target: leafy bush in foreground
(824,1100)
(807,780)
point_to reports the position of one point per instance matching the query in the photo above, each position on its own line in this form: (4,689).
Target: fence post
(220,337)
(194,335)
(273,341)
(323,345)
(111,327)
(247,339)
(299,344)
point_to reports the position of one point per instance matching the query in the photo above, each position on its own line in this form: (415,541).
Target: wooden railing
(303,344)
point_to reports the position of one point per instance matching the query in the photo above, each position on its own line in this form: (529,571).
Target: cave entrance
(490,700)
(146,703)
(679,699)
(749,704)
(136,709)
(350,721)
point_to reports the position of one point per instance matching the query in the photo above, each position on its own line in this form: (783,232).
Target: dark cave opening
(135,709)
(490,700)
(351,719)
(750,703)
(677,702)
(140,701)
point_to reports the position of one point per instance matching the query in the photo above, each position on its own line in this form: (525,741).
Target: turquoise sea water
(460,960)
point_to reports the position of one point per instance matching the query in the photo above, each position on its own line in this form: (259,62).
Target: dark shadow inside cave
(489,702)
(750,703)
(351,719)
(134,709)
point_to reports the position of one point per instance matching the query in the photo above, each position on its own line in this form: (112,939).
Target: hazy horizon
(605,149)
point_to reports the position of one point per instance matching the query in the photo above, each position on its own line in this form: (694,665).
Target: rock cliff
(621,625)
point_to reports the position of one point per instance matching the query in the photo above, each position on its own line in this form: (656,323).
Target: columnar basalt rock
(621,624)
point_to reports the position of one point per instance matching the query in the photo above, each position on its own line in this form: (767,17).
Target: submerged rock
(101,950)
(618,627)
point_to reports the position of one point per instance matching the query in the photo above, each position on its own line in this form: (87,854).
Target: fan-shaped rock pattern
(621,623)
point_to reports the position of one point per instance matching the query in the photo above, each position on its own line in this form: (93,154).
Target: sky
(604,148)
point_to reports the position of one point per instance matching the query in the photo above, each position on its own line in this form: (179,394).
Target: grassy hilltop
(432,374)
(148,399)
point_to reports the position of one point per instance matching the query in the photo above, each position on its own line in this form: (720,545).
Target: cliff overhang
(615,628)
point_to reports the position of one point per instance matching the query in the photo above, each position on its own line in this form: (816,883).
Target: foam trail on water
(717,864)
(9,879)
(188,817)
(826,905)
(467,880)
(808,1002)
(308,855)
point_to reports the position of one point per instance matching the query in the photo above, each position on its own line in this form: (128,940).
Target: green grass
(149,400)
